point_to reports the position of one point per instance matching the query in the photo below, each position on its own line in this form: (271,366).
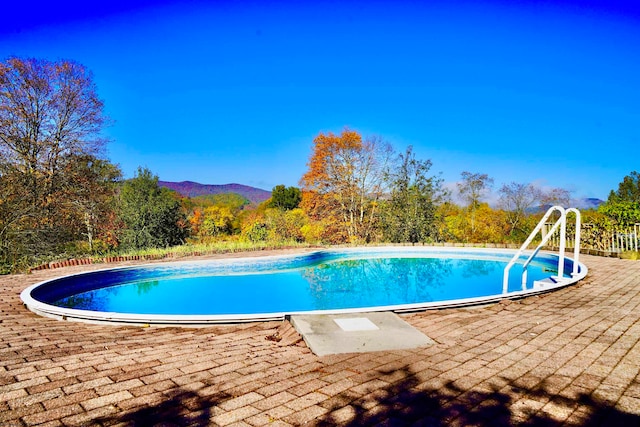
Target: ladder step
(548,282)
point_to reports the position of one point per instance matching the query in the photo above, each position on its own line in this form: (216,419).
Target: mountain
(192,189)
(588,203)
(585,203)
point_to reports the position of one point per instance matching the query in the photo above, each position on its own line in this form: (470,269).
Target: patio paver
(570,357)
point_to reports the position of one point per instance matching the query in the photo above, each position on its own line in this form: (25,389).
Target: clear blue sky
(221,92)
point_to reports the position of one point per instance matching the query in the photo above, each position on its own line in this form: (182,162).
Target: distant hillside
(588,203)
(193,189)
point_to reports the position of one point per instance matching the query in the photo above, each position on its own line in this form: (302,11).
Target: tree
(152,215)
(410,212)
(217,220)
(556,197)
(49,114)
(285,225)
(214,214)
(472,189)
(623,205)
(344,182)
(88,189)
(48,110)
(254,227)
(285,198)
(624,213)
(17,240)
(234,201)
(517,200)
(628,189)
(490,224)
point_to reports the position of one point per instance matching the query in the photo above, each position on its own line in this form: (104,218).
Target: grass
(633,255)
(188,249)
(196,249)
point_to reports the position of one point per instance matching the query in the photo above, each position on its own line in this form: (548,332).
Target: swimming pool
(272,287)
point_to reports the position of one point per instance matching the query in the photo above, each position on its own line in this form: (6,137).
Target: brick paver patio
(566,358)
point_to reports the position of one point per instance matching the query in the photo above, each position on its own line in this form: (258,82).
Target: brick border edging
(105,260)
(113,259)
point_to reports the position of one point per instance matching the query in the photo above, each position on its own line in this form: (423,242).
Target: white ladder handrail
(576,242)
(562,223)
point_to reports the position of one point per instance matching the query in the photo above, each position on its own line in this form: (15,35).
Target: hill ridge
(192,189)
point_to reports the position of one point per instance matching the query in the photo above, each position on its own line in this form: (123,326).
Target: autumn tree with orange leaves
(343,184)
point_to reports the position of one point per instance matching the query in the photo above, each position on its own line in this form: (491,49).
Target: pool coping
(114,318)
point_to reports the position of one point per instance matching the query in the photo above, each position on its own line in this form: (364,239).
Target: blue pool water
(327,280)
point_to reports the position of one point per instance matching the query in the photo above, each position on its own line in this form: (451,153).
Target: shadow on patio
(406,403)
(181,408)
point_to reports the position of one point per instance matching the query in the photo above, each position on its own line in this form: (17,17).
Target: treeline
(60,196)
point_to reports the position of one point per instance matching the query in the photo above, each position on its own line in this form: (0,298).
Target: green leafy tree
(410,213)
(152,216)
(285,198)
(234,201)
(623,205)
(622,213)
(628,189)
(89,189)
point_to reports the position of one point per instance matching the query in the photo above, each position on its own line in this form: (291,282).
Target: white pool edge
(99,317)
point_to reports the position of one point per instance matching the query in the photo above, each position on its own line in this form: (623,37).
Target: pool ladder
(562,223)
